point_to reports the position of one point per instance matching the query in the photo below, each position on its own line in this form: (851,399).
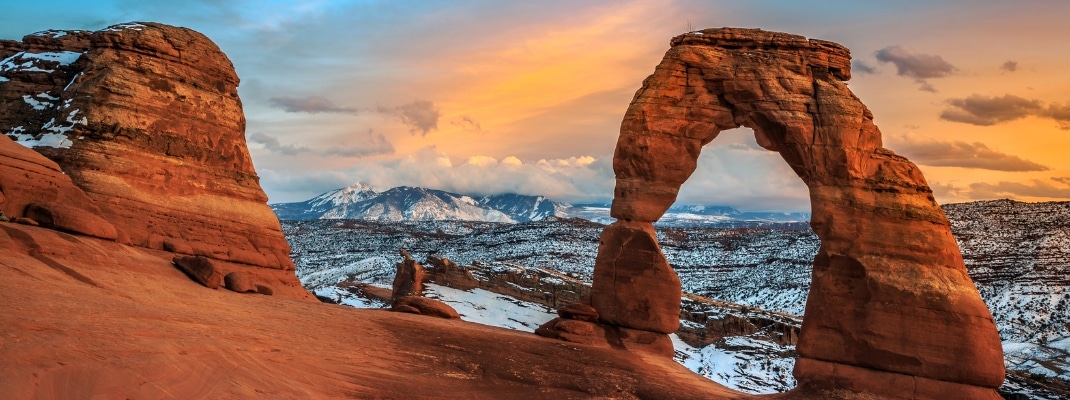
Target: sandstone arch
(891,308)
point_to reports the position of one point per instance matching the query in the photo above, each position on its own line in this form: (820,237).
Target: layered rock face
(145,118)
(891,308)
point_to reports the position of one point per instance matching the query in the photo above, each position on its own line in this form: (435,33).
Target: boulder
(202,269)
(425,306)
(240,282)
(890,293)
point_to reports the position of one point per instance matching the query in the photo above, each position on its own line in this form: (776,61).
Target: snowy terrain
(1016,252)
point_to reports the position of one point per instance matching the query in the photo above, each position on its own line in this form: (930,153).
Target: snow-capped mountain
(682,215)
(405,203)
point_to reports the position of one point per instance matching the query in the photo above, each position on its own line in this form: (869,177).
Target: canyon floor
(84,317)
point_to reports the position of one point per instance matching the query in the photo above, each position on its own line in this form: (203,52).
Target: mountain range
(415,204)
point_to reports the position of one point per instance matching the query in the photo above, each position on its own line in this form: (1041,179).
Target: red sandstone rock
(240,282)
(71,219)
(579,312)
(634,286)
(157,138)
(26,221)
(28,178)
(265,290)
(890,292)
(408,280)
(426,306)
(202,269)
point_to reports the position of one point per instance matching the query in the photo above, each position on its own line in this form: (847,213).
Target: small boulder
(265,290)
(201,269)
(426,306)
(578,312)
(240,282)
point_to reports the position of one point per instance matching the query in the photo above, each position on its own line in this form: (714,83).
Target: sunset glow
(487,97)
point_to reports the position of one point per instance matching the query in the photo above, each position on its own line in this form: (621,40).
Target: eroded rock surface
(890,294)
(145,119)
(33,187)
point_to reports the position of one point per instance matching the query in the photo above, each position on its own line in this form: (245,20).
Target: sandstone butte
(154,165)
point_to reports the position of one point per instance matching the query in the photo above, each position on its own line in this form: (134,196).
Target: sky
(486,97)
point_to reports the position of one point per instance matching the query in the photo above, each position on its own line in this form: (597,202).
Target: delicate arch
(891,307)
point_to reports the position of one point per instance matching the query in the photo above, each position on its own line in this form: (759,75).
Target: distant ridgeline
(414,204)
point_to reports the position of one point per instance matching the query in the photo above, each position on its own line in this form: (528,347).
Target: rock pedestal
(890,294)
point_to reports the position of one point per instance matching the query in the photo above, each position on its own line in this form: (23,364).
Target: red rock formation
(409,278)
(145,119)
(33,186)
(890,293)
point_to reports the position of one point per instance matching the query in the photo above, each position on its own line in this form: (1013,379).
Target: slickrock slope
(891,309)
(88,317)
(145,118)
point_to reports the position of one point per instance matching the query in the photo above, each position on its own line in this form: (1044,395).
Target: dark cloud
(985,111)
(1037,188)
(309,104)
(1062,179)
(918,66)
(1060,113)
(273,145)
(862,68)
(374,145)
(962,154)
(1009,66)
(468,124)
(420,115)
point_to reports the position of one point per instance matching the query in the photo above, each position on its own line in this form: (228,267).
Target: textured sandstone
(634,286)
(155,132)
(890,293)
(34,187)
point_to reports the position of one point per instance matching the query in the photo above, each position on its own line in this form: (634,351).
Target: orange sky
(406,93)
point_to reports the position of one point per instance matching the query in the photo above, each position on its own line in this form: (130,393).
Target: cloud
(308,104)
(985,111)
(1035,188)
(1062,179)
(272,144)
(1009,66)
(375,144)
(1060,113)
(420,115)
(737,176)
(959,154)
(466,123)
(862,67)
(918,66)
